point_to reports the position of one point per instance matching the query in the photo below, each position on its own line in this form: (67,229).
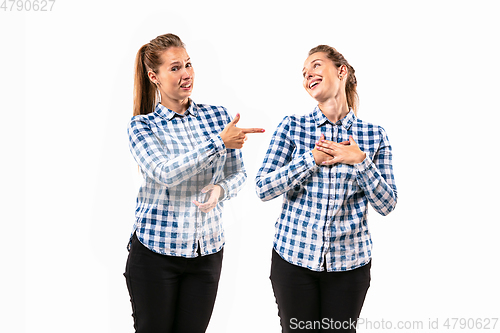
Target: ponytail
(351,91)
(144,90)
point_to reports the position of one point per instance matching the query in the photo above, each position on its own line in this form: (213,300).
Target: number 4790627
(27,5)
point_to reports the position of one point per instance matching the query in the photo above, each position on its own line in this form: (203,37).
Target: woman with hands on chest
(329,166)
(327,85)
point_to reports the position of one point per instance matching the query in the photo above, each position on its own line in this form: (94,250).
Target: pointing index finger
(252,130)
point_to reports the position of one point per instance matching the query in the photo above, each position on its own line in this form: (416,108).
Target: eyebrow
(178,62)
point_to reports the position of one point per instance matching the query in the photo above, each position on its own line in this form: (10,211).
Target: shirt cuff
(217,144)
(310,162)
(306,167)
(364,165)
(225,189)
(367,174)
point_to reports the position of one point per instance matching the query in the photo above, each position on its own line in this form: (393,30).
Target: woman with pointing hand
(329,166)
(189,157)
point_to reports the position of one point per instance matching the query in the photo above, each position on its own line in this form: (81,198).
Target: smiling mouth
(186,86)
(314,84)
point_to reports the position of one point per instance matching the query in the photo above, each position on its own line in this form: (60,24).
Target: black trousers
(171,294)
(310,301)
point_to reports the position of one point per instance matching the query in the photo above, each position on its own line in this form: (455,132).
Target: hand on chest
(306,140)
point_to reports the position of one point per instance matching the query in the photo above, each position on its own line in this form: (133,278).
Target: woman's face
(321,77)
(175,76)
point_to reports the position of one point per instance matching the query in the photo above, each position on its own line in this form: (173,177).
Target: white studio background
(427,71)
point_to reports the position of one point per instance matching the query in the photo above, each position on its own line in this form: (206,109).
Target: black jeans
(310,301)
(171,294)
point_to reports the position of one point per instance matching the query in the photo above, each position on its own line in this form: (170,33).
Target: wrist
(361,158)
(222,136)
(221,192)
(315,154)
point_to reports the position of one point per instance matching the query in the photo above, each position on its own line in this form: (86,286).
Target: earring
(340,77)
(158,96)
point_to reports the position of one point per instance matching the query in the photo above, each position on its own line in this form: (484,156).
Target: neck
(178,106)
(334,109)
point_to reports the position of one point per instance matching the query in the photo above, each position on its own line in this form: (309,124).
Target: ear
(152,77)
(343,70)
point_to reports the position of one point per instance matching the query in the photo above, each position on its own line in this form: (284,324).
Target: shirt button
(338,123)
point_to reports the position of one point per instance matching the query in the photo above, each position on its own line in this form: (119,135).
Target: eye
(189,65)
(316,65)
(174,69)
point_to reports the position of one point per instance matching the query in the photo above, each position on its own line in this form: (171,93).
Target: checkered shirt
(178,155)
(324,210)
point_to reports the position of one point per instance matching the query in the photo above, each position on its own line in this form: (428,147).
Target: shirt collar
(320,119)
(169,114)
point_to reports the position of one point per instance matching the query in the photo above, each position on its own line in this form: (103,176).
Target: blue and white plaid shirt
(324,211)
(178,155)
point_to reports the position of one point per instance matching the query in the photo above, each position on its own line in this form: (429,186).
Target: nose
(308,74)
(187,73)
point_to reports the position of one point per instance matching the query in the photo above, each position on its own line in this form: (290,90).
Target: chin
(185,95)
(314,94)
